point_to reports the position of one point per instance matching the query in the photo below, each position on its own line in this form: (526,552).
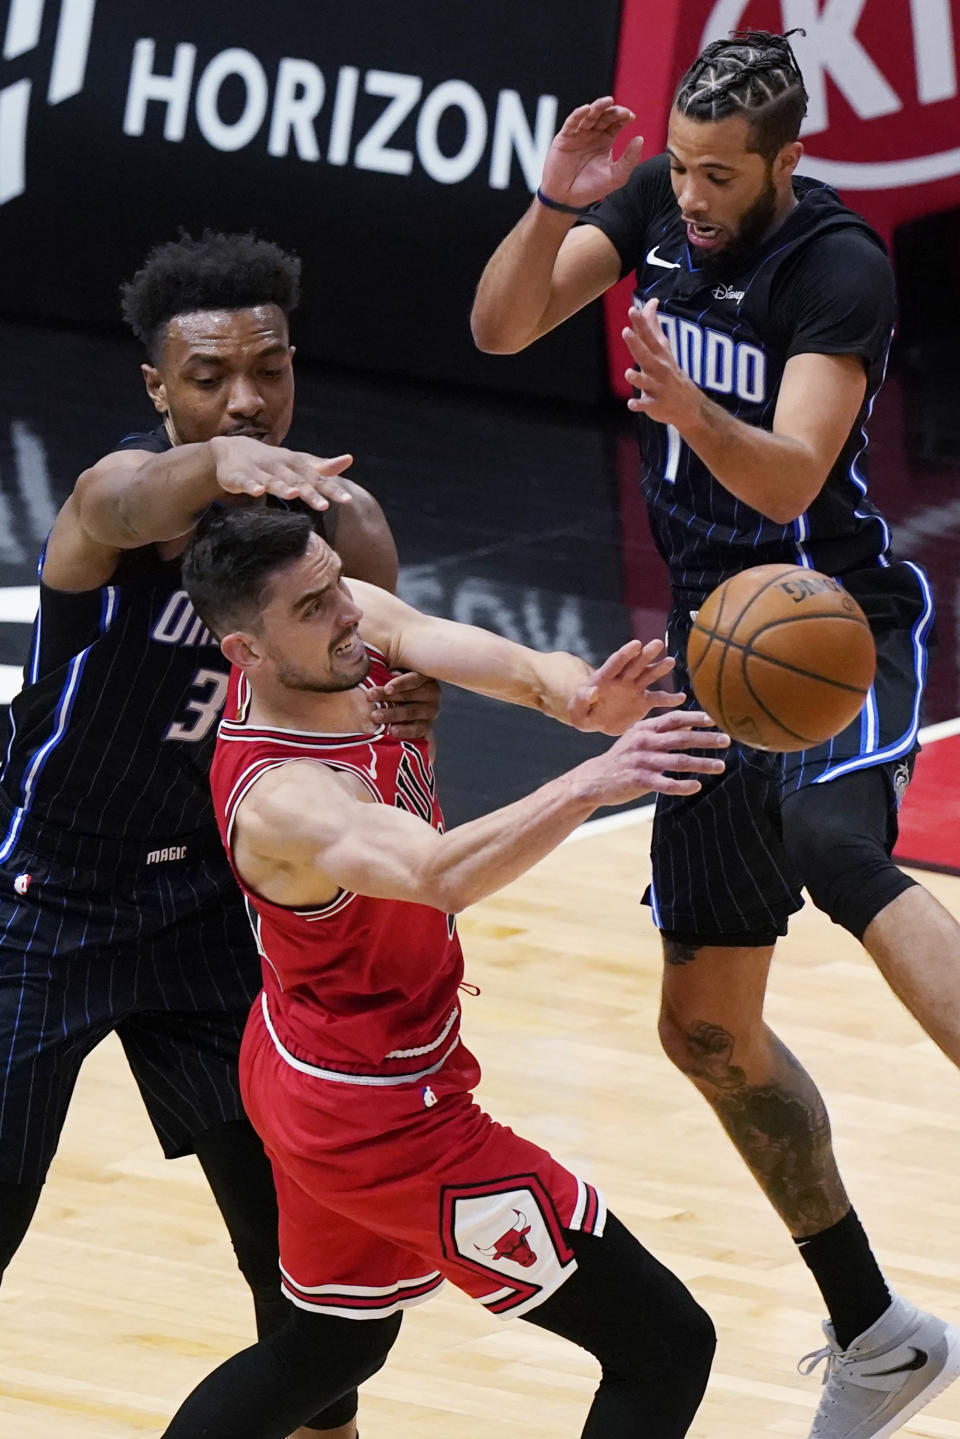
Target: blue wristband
(564,209)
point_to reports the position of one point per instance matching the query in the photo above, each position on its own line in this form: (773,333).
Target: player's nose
(350,612)
(244,397)
(691,198)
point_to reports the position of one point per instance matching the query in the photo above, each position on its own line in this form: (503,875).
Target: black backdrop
(390,258)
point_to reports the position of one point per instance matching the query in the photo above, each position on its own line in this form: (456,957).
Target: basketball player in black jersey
(118,910)
(761,323)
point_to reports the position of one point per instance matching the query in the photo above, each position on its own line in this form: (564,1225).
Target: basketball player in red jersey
(389,1177)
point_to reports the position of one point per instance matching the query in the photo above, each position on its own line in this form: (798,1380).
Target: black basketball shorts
(720,873)
(98,936)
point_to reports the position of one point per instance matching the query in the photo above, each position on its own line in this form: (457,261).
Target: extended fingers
(405,712)
(666,699)
(621,659)
(409,683)
(410,729)
(600,114)
(699,764)
(668,785)
(644,335)
(321,475)
(642,671)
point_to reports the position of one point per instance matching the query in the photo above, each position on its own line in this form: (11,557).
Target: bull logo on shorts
(512,1245)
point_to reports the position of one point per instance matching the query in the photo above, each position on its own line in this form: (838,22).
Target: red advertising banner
(883,124)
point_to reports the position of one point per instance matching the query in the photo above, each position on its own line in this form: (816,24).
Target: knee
(847,871)
(257,1258)
(681,1352)
(709,1052)
(673,1036)
(693,1339)
(703,1343)
(353,1348)
(18,1203)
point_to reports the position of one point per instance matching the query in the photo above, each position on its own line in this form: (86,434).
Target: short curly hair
(216,272)
(754,74)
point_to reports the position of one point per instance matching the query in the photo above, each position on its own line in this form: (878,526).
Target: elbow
(784,509)
(782,514)
(448,897)
(792,487)
(492,338)
(112,524)
(787,512)
(446,892)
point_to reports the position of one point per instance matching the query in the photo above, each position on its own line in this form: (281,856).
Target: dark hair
(216,272)
(228,565)
(754,74)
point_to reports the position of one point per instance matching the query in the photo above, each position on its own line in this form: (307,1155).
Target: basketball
(781,657)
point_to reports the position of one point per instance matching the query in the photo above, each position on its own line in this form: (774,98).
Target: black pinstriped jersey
(113,731)
(821,283)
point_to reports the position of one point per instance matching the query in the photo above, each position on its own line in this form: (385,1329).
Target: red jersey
(356,985)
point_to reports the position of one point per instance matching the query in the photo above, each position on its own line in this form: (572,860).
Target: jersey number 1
(674,445)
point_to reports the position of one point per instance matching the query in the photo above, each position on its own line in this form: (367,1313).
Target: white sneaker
(888,1373)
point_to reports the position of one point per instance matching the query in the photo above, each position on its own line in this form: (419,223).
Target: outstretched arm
(608,699)
(303,832)
(544,271)
(134,498)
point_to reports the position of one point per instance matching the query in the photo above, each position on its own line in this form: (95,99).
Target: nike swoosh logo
(917,1362)
(653,259)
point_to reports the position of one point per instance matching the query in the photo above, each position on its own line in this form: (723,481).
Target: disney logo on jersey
(727,292)
(179,623)
(715,361)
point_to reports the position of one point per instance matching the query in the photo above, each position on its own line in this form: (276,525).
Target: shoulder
(290,803)
(626,214)
(846,255)
(361,536)
(841,278)
(153,442)
(647,188)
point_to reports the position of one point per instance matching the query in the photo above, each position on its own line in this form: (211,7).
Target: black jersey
(113,731)
(820,283)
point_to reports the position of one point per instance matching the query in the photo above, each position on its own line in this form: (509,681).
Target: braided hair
(754,74)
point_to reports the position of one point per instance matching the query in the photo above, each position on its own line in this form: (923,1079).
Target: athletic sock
(847,1275)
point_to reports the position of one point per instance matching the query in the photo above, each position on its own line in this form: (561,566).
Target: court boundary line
(643,813)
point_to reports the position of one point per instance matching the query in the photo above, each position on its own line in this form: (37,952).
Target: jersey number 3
(202,709)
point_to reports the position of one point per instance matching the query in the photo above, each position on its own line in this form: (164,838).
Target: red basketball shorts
(385,1190)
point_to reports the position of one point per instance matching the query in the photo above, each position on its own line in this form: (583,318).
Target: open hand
(619,693)
(651,755)
(666,393)
(249,467)
(580,167)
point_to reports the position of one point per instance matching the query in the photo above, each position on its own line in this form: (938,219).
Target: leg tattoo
(780,1126)
(676,952)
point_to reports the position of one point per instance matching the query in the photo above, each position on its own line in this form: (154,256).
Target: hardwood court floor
(125,1292)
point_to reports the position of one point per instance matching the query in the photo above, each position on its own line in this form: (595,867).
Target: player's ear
(156,389)
(787,160)
(241,650)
